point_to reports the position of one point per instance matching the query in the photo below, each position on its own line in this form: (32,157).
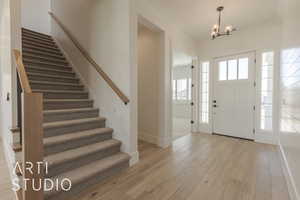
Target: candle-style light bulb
(216,28)
(228,29)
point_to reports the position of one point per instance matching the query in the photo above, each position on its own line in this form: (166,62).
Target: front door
(234,96)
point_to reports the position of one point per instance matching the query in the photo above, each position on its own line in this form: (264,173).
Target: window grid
(205,92)
(234,69)
(266,110)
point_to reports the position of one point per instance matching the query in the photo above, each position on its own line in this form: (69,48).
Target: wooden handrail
(113,86)
(21,72)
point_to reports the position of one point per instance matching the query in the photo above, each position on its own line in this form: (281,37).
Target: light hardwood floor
(199,167)
(6,192)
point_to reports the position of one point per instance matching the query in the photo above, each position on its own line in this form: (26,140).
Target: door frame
(213,76)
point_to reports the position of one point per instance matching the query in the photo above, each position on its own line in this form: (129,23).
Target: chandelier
(216,29)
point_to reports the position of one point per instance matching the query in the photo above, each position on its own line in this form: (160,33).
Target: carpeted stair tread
(35,56)
(36,37)
(70,114)
(27,60)
(51,70)
(40,41)
(67,100)
(75,136)
(69,110)
(73,154)
(43,46)
(41,49)
(60,91)
(52,76)
(35,33)
(72,122)
(55,83)
(42,53)
(59,104)
(86,172)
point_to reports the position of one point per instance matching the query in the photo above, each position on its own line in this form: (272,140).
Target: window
(174,89)
(266,109)
(243,68)
(204,74)
(234,69)
(189,89)
(223,70)
(182,89)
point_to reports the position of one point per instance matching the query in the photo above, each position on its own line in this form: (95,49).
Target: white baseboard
(288,175)
(10,160)
(265,138)
(134,158)
(144,136)
(204,129)
(165,142)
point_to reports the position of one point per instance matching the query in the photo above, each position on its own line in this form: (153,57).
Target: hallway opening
(150,63)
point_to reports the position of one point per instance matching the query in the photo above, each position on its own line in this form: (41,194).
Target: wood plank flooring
(197,167)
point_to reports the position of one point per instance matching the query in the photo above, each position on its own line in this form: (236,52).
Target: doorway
(234,96)
(150,65)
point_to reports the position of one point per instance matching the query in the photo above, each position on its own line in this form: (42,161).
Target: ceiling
(196,17)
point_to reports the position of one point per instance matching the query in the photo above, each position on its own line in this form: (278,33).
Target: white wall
(102,27)
(35,15)
(184,48)
(150,58)
(10,38)
(258,39)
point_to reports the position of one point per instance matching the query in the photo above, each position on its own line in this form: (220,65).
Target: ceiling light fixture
(216,28)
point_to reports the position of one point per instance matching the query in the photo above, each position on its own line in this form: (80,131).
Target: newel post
(33,150)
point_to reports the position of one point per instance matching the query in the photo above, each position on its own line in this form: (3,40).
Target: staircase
(77,144)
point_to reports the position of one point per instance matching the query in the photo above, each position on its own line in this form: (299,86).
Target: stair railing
(106,78)
(30,112)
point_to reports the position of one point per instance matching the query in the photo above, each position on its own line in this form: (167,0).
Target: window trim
(271,77)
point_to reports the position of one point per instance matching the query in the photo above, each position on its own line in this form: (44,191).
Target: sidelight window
(267,68)
(204,105)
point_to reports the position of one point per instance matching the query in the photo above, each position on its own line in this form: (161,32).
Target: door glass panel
(223,71)
(232,70)
(243,68)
